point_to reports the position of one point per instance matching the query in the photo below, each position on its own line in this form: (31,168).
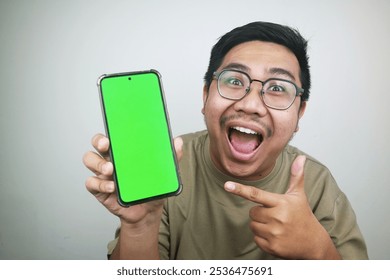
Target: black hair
(266,32)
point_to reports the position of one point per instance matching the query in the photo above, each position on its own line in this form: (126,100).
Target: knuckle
(262,243)
(274,247)
(283,218)
(268,244)
(238,189)
(252,213)
(93,162)
(276,233)
(254,193)
(85,155)
(100,165)
(255,213)
(95,185)
(89,183)
(86,158)
(95,139)
(253,227)
(101,185)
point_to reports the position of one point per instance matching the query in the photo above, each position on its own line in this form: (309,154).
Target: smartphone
(141,144)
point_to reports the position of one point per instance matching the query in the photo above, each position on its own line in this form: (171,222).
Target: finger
(297,175)
(260,229)
(96,185)
(253,194)
(266,238)
(101,143)
(264,244)
(178,143)
(97,164)
(259,214)
(261,235)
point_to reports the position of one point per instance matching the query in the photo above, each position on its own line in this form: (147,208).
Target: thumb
(178,143)
(296,175)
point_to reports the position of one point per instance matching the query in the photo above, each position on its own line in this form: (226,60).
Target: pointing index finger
(253,194)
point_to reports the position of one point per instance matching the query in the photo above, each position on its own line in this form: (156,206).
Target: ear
(302,109)
(301,112)
(205,96)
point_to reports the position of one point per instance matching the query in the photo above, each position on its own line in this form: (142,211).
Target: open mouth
(244,140)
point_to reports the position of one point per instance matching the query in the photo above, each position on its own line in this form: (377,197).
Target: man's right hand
(102,185)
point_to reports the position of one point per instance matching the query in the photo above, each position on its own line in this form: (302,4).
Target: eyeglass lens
(276,93)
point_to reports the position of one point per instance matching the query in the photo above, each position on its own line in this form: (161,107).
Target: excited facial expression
(246,137)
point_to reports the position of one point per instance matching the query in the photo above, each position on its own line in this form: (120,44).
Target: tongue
(243,143)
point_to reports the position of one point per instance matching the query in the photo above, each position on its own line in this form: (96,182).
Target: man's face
(246,137)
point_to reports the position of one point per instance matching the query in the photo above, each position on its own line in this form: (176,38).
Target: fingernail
(110,187)
(229,186)
(102,143)
(298,164)
(105,168)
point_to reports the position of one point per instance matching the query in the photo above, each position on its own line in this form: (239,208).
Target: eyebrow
(237,66)
(272,71)
(281,71)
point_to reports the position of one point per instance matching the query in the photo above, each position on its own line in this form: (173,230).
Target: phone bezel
(111,154)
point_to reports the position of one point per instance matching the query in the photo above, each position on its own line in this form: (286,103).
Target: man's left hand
(284,224)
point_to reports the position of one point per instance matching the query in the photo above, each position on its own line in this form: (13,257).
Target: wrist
(139,240)
(149,223)
(326,249)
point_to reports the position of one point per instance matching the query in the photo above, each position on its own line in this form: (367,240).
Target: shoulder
(194,137)
(313,167)
(193,144)
(292,152)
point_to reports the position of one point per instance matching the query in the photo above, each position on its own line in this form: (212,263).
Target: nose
(252,103)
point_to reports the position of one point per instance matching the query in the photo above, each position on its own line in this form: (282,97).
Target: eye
(234,82)
(276,88)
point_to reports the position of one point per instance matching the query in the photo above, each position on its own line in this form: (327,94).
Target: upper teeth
(244,130)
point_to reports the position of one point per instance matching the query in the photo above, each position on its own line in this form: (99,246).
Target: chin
(248,171)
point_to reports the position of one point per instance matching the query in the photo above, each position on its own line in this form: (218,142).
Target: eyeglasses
(276,93)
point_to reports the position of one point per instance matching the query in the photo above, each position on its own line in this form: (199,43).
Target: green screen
(141,146)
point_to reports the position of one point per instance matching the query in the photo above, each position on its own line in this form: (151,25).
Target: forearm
(138,241)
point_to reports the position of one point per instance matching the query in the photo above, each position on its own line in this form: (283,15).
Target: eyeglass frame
(299,91)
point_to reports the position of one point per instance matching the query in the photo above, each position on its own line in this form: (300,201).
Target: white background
(52,52)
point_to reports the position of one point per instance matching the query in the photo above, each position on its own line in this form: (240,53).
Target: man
(246,194)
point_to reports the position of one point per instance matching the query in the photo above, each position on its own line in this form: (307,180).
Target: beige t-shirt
(206,222)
